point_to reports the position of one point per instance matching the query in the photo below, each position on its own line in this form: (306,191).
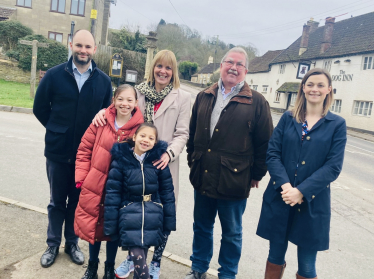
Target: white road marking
(338,185)
(360,148)
(355,152)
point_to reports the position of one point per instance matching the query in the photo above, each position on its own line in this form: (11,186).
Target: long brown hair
(122,88)
(299,109)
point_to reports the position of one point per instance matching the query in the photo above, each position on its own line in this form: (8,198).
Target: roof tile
(289,87)
(6,12)
(210,68)
(350,36)
(261,64)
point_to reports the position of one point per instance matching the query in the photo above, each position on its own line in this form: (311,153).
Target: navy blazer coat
(319,159)
(139,223)
(65,112)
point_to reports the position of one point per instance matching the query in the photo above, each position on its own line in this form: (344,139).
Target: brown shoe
(274,271)
(301,277)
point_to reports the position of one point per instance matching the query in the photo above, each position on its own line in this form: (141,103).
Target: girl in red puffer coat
(91,172)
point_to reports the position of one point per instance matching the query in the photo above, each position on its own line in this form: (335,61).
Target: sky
(264,24)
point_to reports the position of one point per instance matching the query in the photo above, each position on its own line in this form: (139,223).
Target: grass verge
(15,94)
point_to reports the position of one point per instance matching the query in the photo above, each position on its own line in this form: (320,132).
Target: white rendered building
(344,48)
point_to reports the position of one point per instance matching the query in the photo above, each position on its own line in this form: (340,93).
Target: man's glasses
(232,63)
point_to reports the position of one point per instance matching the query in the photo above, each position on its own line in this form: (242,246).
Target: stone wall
(10,72)
(42,20)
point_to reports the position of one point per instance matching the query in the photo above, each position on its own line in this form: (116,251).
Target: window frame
(56,33)
(84,8)
(293,99)
(265,89)
(337,106)
(359,108)
(19,5)
(327,65)
(370,63)
(277,97)
(282,68)
(255,87)
(57,11)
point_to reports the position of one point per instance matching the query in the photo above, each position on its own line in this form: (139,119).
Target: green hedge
(51,56)
(10,32)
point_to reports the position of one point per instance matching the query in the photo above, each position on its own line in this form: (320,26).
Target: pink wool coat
(92,167)
(172,120)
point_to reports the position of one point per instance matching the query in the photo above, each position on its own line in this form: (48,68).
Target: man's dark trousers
(64,198)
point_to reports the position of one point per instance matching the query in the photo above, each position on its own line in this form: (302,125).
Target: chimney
(210,60)
(313,25)
(327,34)
(304,39)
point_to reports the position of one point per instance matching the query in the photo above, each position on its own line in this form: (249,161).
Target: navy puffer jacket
(129,213)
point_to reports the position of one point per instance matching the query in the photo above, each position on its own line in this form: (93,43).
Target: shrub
(10,32)
(187,69)
(51,56)
(13,54)
(127,40)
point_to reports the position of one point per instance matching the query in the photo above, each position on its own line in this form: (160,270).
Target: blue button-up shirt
(140,158)
(81,78)
(225,95)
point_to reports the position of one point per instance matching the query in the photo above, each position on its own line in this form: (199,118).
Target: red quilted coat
(92,167)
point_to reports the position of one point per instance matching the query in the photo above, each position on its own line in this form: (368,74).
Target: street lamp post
(71,37)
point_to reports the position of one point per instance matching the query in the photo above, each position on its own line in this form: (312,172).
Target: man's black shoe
(75,253)
(49,256)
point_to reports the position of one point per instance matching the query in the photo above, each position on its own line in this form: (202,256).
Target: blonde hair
(167,57)
(299,109)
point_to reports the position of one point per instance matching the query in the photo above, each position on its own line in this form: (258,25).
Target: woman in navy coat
(304,156)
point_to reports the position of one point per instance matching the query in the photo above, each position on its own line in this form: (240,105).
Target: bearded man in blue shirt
(67,99)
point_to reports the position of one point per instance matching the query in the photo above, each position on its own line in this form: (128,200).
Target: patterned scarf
(152,97)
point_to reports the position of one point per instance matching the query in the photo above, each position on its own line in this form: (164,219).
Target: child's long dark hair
(131,142)
(124,87)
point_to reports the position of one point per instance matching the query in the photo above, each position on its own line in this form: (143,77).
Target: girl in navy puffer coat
(139,206)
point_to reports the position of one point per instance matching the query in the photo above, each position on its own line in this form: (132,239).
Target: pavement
(23,238)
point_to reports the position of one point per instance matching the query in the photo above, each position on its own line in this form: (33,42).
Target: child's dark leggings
(139,257)
(157,255)
(111,251)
